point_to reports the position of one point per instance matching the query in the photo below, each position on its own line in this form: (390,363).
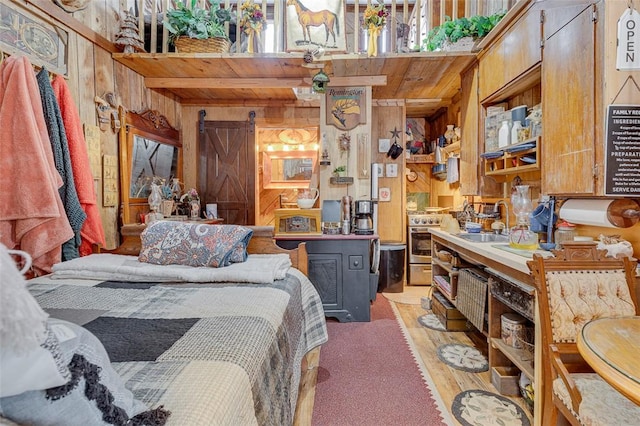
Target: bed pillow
(191,244)
(29,355)
(95,393)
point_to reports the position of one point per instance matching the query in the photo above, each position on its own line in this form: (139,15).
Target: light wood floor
(448,381)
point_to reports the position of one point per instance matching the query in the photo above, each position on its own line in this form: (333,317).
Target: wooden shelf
(421,159)
(512,162)
(519,357)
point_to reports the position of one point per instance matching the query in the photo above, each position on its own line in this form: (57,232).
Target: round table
(611,347)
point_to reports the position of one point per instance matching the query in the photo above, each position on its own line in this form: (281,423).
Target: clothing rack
(36,68)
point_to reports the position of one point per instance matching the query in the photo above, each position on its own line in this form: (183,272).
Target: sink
(483,237)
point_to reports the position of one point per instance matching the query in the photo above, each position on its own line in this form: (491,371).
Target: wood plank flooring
(448,381)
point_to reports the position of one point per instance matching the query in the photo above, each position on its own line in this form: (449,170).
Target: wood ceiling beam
(257,83)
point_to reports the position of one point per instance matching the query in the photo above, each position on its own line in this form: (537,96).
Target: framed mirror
(150,148)
(288,169)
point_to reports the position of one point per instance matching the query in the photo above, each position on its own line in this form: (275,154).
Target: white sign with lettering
(628,51)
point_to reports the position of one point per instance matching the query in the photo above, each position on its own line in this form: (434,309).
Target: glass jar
(565,231)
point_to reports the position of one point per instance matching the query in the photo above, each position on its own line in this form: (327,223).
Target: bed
(226,352)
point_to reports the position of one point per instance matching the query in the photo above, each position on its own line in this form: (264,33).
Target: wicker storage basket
(199,45)
(472,296)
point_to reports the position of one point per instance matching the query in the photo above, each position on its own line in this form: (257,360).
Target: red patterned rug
(368,376)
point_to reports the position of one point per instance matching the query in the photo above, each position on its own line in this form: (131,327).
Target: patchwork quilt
(223,353)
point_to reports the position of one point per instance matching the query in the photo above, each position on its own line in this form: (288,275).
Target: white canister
(212,211)
(512,329)
(504,134)
(515,132)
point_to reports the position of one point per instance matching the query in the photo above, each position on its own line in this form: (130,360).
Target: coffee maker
(363,217)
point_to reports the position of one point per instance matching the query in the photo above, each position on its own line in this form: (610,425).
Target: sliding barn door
(226,172)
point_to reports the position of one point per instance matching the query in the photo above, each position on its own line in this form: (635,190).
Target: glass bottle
(521,236)
(515,132)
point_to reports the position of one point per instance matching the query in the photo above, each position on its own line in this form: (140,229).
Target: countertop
(511,260)
(307,237)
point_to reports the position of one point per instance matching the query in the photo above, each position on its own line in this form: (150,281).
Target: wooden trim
(63,17)
(257,83)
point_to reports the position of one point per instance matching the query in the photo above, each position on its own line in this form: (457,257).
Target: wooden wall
(92,72)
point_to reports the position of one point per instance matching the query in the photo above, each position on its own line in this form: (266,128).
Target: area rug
(463,357)
(370,374)
(480,408)
(431,321)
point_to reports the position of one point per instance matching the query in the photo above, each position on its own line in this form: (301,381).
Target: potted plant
(339,171)
(453,31)
(196,29)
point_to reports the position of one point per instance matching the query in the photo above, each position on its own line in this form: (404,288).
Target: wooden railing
(414,18)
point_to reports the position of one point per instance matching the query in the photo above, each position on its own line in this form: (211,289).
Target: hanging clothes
(92,231)
(32,216)
(62,158)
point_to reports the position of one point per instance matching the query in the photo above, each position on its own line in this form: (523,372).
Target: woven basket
(198,45)
(465,44)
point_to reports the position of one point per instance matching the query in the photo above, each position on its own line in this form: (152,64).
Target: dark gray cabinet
(340,269)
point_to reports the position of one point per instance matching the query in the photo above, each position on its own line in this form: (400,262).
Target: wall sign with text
(622,151)
(346,107)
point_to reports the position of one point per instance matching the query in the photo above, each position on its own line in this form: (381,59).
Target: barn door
(226,173)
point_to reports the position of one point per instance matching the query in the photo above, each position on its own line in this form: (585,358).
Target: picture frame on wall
(314,24)
(22,33)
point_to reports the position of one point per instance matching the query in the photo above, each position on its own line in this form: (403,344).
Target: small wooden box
(505,380)
(298,222)
(448,315)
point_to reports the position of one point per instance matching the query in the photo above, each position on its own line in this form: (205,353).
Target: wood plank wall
(92,72)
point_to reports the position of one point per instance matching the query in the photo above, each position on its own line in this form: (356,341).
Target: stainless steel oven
(419,246)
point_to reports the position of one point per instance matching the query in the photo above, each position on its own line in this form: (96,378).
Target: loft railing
(409,20)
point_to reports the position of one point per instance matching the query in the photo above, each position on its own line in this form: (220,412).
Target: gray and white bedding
(225,353)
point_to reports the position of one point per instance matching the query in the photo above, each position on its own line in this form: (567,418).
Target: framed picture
(313,24)
(346,107)
(43,43)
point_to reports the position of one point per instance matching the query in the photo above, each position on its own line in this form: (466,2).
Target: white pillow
(30,358)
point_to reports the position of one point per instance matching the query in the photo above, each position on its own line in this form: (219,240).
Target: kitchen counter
(487,254)
(320,237)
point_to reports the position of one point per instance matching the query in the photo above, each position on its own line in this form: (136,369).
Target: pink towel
(92,231)
(32,217)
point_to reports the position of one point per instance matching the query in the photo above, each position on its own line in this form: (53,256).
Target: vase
(449,134)
(253,40)
(194,209)
(372,45)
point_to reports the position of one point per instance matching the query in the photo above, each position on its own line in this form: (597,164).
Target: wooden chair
(577,285)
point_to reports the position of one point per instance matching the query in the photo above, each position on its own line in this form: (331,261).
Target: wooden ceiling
(426,82)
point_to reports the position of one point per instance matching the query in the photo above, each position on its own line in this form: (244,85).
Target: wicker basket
(199,45)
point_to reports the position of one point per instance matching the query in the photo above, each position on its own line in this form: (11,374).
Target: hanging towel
(60,147)
(32,217)
(92,231)
(452,170)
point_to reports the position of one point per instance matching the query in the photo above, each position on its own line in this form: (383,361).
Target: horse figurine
(307,19)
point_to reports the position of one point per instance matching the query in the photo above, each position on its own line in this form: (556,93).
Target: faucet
(496,209)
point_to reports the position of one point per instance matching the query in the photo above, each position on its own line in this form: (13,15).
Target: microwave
(298,222)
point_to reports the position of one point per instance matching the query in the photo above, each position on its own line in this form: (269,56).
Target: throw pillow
(94,395)
(29,355)
(180,243)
